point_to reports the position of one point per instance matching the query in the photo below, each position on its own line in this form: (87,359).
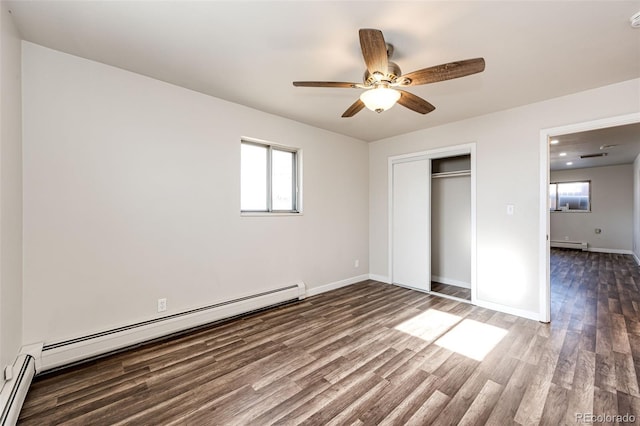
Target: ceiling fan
(382,77)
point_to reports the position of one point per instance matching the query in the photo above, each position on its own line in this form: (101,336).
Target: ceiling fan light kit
(382,78)
(380,99)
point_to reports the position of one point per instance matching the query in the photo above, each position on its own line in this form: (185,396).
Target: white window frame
(557,210)
(296,189)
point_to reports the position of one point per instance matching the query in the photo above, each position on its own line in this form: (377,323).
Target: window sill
(267,214)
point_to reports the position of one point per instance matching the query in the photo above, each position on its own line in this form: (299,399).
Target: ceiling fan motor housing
(393,72)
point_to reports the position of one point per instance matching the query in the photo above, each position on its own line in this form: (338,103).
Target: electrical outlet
(162,305)
(356,263)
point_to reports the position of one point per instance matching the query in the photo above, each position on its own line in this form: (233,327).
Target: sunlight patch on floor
(429,325)
(472,339)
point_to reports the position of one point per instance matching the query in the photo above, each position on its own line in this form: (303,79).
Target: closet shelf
(451,174)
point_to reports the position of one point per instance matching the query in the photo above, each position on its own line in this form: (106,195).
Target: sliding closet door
(411,221)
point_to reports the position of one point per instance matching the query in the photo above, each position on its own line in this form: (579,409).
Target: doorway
(546,136)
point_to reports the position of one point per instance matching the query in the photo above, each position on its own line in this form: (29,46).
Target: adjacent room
(592,175)
(267,212)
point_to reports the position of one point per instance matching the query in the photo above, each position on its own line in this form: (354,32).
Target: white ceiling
(621,144)
(250,52)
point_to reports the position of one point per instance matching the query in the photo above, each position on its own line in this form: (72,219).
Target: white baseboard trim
(635,256)
(508,310)
(15,389)
(450,281)
(336,285)
(59,354)
(608,250)
(381,278)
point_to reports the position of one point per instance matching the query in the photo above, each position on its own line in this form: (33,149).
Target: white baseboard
(450,281)
(381,278)
(78,349)
(14,390)
(635,256)
(508,310)
(335,285)
(608,250)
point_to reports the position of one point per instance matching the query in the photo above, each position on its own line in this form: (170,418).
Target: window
(269,178)
(570,196)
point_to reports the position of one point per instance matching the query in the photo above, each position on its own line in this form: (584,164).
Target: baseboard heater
(15,389)
(67,352)
(579,245)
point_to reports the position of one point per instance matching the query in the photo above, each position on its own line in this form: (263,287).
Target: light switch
(510,209)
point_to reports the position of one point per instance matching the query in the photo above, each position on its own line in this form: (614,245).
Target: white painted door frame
(544,248)
(449,151)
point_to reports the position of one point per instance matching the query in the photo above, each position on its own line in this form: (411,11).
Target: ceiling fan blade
(374,50)
(415,103)
(353,109)
(445,71)
(338,84)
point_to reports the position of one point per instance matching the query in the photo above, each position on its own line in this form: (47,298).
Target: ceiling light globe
(380,99)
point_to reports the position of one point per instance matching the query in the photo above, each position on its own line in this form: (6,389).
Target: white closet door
(411,224)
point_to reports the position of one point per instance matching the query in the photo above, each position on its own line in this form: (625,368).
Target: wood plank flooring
(362,355)
(451,290)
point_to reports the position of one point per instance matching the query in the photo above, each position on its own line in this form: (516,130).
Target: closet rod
(451,174)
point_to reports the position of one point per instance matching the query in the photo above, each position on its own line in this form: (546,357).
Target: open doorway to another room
(591,201)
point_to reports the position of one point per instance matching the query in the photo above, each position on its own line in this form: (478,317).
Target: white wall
(636,208)
(10,190)
(132,192)
(611,209)
(508,172)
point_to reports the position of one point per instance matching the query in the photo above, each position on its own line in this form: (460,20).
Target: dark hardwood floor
(451,290)
(370,354)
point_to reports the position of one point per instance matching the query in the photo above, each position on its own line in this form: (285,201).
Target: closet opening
(451,226)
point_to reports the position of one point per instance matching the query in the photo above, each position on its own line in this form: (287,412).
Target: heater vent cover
(599,154)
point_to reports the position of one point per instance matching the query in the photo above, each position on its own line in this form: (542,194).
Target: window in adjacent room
(269,178)
(570,196)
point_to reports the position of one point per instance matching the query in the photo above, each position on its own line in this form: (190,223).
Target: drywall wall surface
(508,170)
(10,190)
(451,230)
(611,209)
(132,193)
(636,208)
